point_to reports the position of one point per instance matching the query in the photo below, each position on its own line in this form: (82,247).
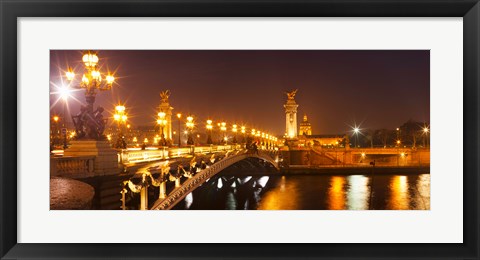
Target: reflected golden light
(336,193)
(399,193)
(283,198)
(55,118)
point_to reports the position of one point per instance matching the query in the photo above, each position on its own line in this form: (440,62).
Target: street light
(223,128)
(234,130)
(209,129)
(356,131)
(179,116)
(121,118)
(190,126)
(425,135)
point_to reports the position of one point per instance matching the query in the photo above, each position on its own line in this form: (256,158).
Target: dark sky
(379,89)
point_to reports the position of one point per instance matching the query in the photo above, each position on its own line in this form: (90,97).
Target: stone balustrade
(74,167)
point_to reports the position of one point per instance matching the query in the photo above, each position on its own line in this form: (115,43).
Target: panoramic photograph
(239,129)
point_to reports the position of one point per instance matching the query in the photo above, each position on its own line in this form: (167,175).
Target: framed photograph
(223,129)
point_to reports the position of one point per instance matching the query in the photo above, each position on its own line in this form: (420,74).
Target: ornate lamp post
(243,130)
(89,123)
(56,135)
(223,128)
(121,118)
(190,126)
(162,122)
(234,130)
(179,116)
(209,129)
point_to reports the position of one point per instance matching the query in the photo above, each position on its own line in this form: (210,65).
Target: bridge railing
(136,155)
(78,166)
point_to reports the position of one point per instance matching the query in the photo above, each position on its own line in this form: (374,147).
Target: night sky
(336,89)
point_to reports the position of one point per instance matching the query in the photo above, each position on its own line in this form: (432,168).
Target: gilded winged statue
(291,94)
(164,96)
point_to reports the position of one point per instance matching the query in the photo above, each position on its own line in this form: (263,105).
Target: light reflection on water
(314,192)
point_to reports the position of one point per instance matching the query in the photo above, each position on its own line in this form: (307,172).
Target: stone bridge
(179,193)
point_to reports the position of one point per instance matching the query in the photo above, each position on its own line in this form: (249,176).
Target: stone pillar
(291,118)
(123,199)
(177,183)
(144,198)
(167,130)
(106,158)
(163,190)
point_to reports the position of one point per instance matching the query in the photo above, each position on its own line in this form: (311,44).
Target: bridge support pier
(163,190)
(144,198)
(177,183)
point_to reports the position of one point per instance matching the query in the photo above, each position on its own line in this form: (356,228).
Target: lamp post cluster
(89,123)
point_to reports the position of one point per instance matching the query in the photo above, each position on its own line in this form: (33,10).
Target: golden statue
(164,96)
(291,94)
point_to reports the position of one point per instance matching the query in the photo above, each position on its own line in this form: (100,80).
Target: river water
(312,192)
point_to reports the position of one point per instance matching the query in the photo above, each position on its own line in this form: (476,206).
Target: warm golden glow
(145,140)
(425,130)
(70,75)
(110,79)
(55,118)
(209,124)
(190,123)
(161,115)
(398,141)
(336,193)
(284,197)
(179,115)
(90,59)
(135,139)
(399,197)
(85,79)
(116,117)
(120,108)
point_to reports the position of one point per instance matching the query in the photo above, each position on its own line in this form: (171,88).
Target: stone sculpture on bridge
(89,124)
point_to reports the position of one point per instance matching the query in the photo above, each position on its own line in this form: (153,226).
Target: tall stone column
(291,115)
(167,109)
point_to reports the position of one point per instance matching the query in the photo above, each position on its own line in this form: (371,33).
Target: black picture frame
(11,10)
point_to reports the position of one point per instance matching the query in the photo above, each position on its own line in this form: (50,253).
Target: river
(312,192)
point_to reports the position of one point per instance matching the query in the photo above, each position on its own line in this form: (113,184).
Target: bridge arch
(191,184)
